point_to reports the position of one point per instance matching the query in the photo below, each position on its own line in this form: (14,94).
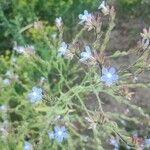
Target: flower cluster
(60,134)
(109,75)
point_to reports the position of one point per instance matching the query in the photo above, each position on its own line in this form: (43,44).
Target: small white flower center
(34,93)
(59,133)
(109,75)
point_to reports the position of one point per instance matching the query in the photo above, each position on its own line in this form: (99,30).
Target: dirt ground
(124,36)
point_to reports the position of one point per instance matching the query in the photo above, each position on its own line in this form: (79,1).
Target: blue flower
(35,95)
(6,82)
(62,50)
(113,142)
(86,54)
(60,133)
(51,135)
(3,108)
(85,17)
(58,22)
(19,49)
(109,75)
(147,142)
(27,146)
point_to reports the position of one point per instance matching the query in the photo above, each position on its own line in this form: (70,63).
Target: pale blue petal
(102,5)
(83,54)
(81,22)
(59,139)
(51,135)
(65,134)
(148,142)
(63,129)
(112,70)
(104,78)
(83,59)
(37,90)
(87,49)
(56,128)
(3,108)
(115,77)
(64,45)
(27,146)
(60,133)
(108,82)
(105,71)
(86,12)
(80,16)
(60,19)
(34,89)
(60,54)
(116,148)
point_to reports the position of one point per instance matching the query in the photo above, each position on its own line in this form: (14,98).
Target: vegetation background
(15,14)
(62,76)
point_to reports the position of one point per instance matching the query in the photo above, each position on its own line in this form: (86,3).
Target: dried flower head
(126,92)
(38,25)
(100,57)
(96,118)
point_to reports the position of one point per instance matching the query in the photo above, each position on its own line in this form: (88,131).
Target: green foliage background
(15,14)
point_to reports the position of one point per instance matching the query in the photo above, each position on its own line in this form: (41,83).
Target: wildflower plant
(69,93)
